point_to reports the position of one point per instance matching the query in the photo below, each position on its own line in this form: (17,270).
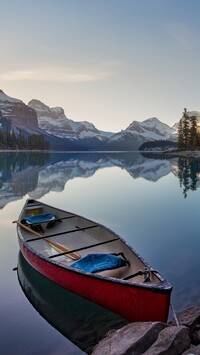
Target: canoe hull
(131,301)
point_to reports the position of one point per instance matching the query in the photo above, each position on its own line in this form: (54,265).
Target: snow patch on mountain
(6,99)
(15,114)
(53,121)
(152,129)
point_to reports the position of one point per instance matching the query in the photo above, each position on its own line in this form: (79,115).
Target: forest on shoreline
(11,141)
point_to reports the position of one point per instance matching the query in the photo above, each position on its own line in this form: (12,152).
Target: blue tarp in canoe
(99,262)
(39,218)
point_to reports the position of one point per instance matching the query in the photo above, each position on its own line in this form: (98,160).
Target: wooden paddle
(57,246)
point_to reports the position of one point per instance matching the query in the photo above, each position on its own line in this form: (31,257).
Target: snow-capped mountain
(7,99)
(14,112)
(16,116)
(138,133)
(152,128)
(54,121)
(66,134)
(50,119)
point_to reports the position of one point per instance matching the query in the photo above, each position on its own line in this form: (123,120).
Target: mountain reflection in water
(36,173)
(81,321)
(140,197)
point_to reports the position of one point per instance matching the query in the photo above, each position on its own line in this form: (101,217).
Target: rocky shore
(180,336)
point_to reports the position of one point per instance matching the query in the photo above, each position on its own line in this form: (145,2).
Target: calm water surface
(152,202)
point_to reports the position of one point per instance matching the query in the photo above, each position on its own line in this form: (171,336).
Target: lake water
(152,202)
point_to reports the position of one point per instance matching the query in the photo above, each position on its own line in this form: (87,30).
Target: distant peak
(38,105)
(6,98)
(35,101)
(152,119)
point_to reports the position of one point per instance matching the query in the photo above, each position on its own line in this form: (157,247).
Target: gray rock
(193,350)
(134,339)
(191,319)
(172,340)
(196,337)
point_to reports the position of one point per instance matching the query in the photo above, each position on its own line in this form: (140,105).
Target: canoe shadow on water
(81,321)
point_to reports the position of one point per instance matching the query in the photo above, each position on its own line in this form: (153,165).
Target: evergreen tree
(193,132)
(14,140)
(9,140)
(186,129)
(21,141)
(180,135)
(188,136)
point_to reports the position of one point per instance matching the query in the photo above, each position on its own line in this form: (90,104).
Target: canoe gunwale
(163,287)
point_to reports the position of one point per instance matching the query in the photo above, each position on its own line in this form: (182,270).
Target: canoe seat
(39,218)
(100,262)
(116,273)
(36,221)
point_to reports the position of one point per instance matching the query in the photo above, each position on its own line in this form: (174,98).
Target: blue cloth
(39,218)
(99,262)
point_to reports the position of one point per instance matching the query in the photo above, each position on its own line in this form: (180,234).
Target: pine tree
(180,135)
(193,132)
(186,129)
(9,140)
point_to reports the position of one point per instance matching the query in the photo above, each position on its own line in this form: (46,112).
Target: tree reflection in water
(188,170)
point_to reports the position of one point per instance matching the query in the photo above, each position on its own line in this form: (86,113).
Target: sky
(108,62)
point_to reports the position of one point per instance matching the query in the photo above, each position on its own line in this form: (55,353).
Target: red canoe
(92,261)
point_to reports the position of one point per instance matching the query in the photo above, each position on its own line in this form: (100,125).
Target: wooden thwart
(65,232)
(57,246)
(84,248)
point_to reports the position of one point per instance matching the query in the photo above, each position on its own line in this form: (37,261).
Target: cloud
(52,74)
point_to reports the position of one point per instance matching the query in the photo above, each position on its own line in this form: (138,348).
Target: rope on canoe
(146,272)
(175,316)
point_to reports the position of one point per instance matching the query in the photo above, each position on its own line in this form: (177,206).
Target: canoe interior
(70,232)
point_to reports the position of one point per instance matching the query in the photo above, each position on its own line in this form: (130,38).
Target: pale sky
(108,62)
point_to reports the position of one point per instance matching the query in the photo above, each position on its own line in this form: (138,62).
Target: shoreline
(185,154)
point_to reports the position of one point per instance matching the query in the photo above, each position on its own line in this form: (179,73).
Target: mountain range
(65,134)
